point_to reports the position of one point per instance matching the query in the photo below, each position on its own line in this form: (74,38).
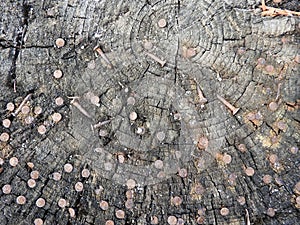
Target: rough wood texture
(220,48)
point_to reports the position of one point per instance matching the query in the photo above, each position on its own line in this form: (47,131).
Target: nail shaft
(102,123)
(75,103)
(154,57)
(263,5)
(15,85)
(202,99)
(22,104)
(101,53)
(233,109)
(278,92)
(247,217)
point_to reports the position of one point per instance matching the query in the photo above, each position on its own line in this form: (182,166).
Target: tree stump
(149,112)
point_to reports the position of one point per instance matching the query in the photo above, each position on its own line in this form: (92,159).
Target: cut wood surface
(149,112)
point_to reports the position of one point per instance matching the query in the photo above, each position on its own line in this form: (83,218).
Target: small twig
(101,53)
(22,104)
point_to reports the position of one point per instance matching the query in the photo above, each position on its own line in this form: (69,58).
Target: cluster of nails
(27,115)
(24,112)
(32,182)
(56,117)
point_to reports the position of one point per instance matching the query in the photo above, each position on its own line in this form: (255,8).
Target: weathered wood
(155,119)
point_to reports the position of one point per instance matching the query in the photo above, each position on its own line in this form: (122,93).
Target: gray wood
(247,59)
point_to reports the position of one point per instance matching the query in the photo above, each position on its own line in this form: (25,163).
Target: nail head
(4,137)
(62,203)
(162,23)
(130,100)
(131,184)
(224,211)
(42,129)
(57,74)
(227,158)
(109,222)
(154,220)
(6,123)
(160,136)
(267,179)
(59,101)
(183,173)
(35,174)
(6,189)
(202,143)
(133,116)
(38,221)
(71,212)
(129,204)
(38,110)
(31,183)
(85,173)
(273,106)
(176,201)
(79,186)
(172,220)
(60,42)
(249,171)
(40,202)
(120,214)
(159,164)
(25,110)
(68,168)
(13,161)
(271,212)
(21,200)
(29,119)
(241,200)
(104,205)
(56,176)
(10,106)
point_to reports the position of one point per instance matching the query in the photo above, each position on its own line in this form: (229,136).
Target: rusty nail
(101,53)
(233,109)
(154,57)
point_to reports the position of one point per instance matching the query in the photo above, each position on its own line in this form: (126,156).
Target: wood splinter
(155,58)
(75,103)
(271,11)
(104,57)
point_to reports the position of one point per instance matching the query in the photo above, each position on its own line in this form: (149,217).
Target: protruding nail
(75,103)
(233,109)
(22,104)
(154,57)
(202,99)
(101,53)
